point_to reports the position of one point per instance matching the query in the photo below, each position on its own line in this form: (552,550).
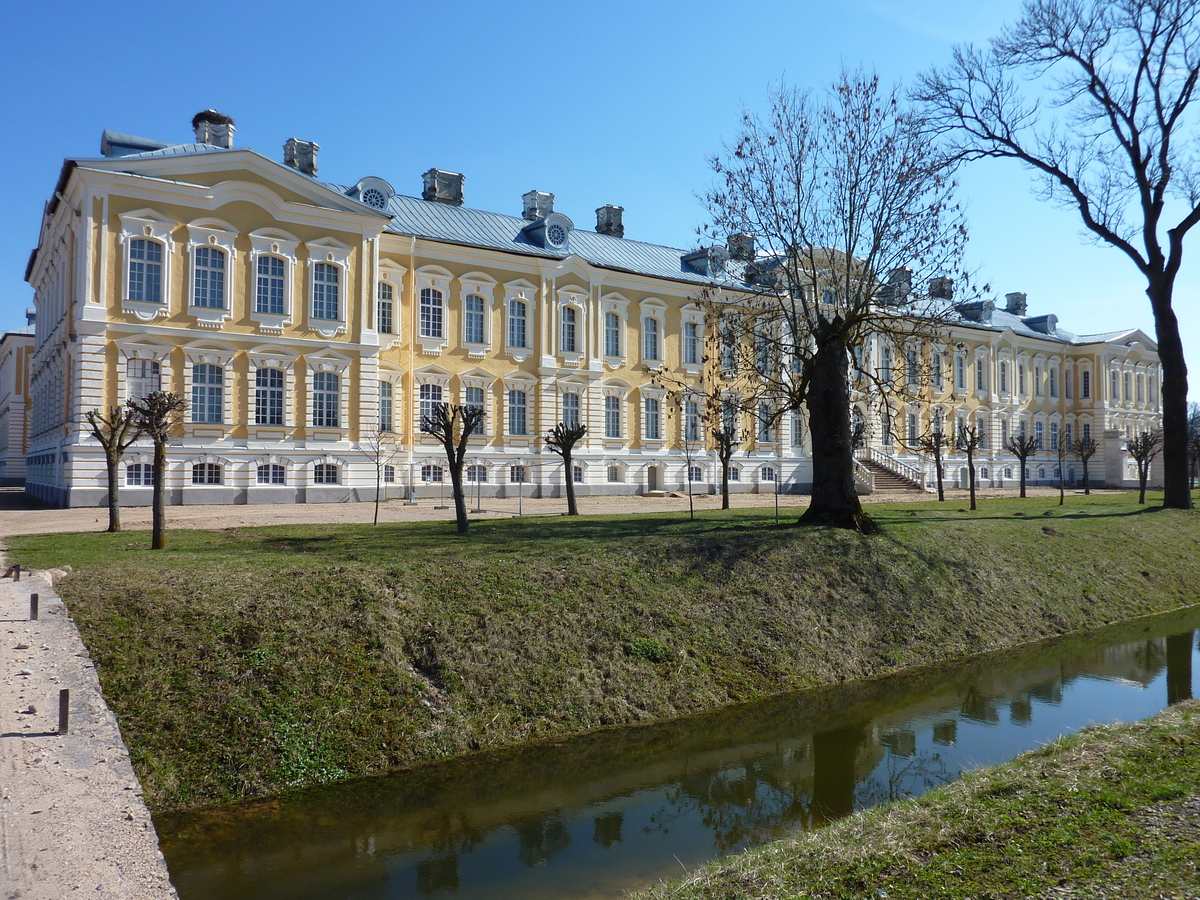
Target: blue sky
(618,102)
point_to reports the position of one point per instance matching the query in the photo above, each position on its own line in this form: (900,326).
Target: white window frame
(146,224)
(279,244)
(214,236)
(477,284)
(340,367)
(521,292)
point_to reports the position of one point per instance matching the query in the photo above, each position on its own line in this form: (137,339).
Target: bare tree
(1062,449)
(380,448)
(1022,447)
(968,440)
(1143,448)
(1193,443)
(685,406)
(1118,149)
(116,431)
(840,198)
(935,443)
(1085,448)
(159,416)
(453,425)
(561,439)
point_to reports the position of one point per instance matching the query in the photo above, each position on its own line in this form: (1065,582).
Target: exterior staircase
(888,481)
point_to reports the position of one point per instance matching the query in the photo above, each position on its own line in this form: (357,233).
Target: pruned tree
(840,216)
(380,448)
(159,416)
(935,443)
(967,440)
(1085,448)
(453,426)
(1061,451)
(561,439)
(1113,139)
(1143,448)
(1022,446)
(685,406)
(116,431)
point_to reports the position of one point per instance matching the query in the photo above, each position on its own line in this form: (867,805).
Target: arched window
(691,420)
(612,417)
(206,473)
(517,323)
(614,474)
(385,406)
(325,291)
(1003,377)
(569,319)
(208,393)
(516,413)
(612,334)
(653,430)
(577,474)
(691,343)
(271,473)
(325,473)
(326,400)
(650,338)
(516,474)
(145,271)
(139,475)
(473,320)
(735,474)
(269,286)
(142,377)
(209,287)
(695,473)
(430,396)
(1039,434)
(477,474)
(386,310)
(1085,385)
(389,474)
(268,397)
(431,313)
(768,473)
(432,473)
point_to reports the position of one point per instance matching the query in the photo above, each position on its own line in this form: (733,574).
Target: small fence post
(64,710)
(17,572)
(33,607)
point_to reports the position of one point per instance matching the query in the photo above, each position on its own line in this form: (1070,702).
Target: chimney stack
(608,220)
(741,246)
(213,128)
(441,186)
(536,205)
(301,156)
(1015,303)
(941,288)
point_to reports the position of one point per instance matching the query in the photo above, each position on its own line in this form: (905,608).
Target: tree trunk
(971,474)
(460,497)
(724,480)
(937,462)
(378,484)
(834,499)
(114,497)
(1143,474)
(569,476)
(1087,483)
(1021,463)
(1176,494)
(158,539)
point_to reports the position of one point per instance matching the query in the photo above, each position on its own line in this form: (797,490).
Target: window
(913,368)
(1068,435)
(516,474)
(960,373)
(1020,379)
(650,338)
(983,473)
(1085,385)
(1037,380)
(768,473)
(569,319)
(145,271)
(653,423)
(612,334)
(206,473)
(325,473)
(1087,431)
(885,424)
(272,474)
(386,319)
(691,343)
(386,418)
(577,474)
(1069,384)
(208,394)
(1053,435)
(1128,393)
(389,474)
(937,370)
(1003,377)
(570,410)
(914,433)
(431,473)
(1003,434)
(516,412)
(430,396)
(1041,472)
(735,474)
(139,475)
(695,473)
(612,417)
(762,350)
(1153,385)
(981,426)
(209,287)
(1039,434)
(1115,386)
(614,474)
(691,420)
(729,347)
(798,430)
(1053,373)
(325,291)
(980,380)
(268,290)
(1008,472)
(477,474)
(268,397)
(326,401)
(143,378)
(885,364)
(473,320)
(473,397)
(1141,388)
(516,323)
(431,313)
(765,431)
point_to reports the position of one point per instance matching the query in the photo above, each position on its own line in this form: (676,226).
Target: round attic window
(556,235)
(374,197)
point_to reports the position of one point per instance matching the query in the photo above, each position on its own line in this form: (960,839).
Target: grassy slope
(247,661)
(1111,812)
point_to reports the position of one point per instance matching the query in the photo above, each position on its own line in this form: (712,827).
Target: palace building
(310,324)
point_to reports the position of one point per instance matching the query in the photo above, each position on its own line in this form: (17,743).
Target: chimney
(30,315)
(213,128)
(608,220)
(443,187)
(301,155)
(537,205)
(1015,303)
(941,288)
(741,246)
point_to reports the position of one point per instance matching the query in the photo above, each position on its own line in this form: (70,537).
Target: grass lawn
(1111,812)
(248,661)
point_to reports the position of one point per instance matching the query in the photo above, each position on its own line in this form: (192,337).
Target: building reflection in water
(1179,667)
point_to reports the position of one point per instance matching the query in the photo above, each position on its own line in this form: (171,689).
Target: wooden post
(33,607)
(17,572)
(64,710)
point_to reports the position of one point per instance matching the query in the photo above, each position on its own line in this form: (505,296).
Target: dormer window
(373,192)
(556,235)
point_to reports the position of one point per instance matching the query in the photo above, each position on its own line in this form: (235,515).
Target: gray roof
(1001,320)
(175,150)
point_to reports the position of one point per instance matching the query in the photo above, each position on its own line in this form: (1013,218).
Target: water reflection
(615,810)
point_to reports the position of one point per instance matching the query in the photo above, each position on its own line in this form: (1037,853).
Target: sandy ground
(72,820)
